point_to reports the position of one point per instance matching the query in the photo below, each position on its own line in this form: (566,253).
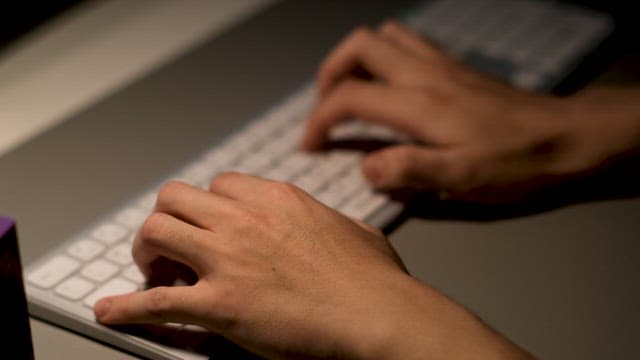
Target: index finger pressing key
(157,305)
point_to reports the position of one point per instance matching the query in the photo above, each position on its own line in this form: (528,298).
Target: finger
(154,306)
(365,48)
(409,166)
(398,34)
(164,236)
(367,101)
(193,205)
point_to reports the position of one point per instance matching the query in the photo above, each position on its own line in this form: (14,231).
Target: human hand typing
(477,138)
(278,272)
(286,277)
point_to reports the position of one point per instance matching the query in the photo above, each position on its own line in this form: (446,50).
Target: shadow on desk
(617,181)
(197,341)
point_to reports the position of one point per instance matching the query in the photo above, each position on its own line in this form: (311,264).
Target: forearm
(425,324)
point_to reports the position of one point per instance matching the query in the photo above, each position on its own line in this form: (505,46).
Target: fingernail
(102,307)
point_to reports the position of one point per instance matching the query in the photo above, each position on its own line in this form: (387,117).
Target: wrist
(616,112)
(425,324)
(599,125)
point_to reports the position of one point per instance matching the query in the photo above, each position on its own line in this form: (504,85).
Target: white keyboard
(532,44)
(98,261)
(266,147)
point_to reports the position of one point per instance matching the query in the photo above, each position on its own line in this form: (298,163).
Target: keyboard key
(115,286)
(131,238)
(199,173)
(278,174)
(342,189)
(350,183)
(53,271)
(148,200)
(297,163)
(219,158)
(254,164)
(120,254)
(332,165)
(134,274)
(284,146)
(132,217)
(491,65)
(310,184)
(85,249)
(110,233)
(365,204)
(99,270)
(74,288)
(195,328)
(330,198)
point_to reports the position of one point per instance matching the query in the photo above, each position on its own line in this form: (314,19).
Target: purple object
(13,302)
(6,225)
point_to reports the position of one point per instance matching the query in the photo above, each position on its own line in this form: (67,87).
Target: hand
(477,138)
(278,272)
(284,276)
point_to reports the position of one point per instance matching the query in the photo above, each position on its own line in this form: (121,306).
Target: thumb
(410,166)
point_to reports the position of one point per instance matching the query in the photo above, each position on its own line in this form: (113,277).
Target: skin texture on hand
(275,268)
(286,277)
(477,138)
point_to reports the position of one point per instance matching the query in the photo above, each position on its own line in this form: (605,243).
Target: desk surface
(560,283)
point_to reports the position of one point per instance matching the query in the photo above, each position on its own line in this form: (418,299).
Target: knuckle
(153,226)
(169,191)
(404,160)
(249,217)
(221,179)
(361,34)
(284,191)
